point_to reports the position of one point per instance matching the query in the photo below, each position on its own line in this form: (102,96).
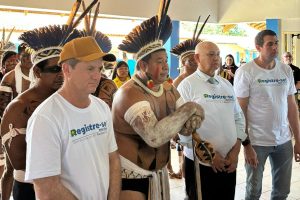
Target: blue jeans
(281,159)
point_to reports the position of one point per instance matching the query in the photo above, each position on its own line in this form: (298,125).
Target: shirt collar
(205,77)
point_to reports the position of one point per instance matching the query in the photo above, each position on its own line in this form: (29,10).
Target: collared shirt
(224,121)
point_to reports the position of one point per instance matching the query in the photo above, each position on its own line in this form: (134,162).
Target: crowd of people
(70,132)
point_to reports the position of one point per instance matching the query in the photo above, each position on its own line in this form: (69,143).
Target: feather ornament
(143,39)
(188,46)
(90,30)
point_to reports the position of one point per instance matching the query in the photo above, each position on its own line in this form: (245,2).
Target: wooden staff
(197,169)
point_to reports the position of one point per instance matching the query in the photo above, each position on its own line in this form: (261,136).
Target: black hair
(233,62)
(42,64)
(6,55)
(119,64)
(259,38)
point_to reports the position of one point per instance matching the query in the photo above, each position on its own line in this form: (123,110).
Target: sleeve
(242,83)
(183,89)
(179,102)
(292,87)
(111,136)
(240,123)
(297,74)
(43,156)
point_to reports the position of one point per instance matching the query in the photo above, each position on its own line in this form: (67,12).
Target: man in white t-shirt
(265,90)
(223,127)
(71,148)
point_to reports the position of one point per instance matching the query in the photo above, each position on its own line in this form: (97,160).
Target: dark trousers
(138,185)
(23,191)
(214,186)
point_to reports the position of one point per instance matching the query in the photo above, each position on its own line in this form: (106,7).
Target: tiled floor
(178,190)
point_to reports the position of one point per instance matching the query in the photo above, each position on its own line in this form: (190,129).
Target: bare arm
(232,157)
(250,154)
(154,132)
(6,91)
(7,180)
(15,146)
(51,188)
(114,176)
(244,106)
(293,117)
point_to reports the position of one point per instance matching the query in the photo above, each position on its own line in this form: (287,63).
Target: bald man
(224,130)
(287,58)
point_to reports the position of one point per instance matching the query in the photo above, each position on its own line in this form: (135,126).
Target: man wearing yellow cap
(71,148)
(45,54)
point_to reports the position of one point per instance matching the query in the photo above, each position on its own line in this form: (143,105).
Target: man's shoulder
(131,89)
(49,105)
(178,80)
(8,79)
(223,81)
(17,104)
(107,85)
(105,81)
(247,65)
(295,68)
(129,94)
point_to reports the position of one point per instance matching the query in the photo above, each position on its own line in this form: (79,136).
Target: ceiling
(221,11)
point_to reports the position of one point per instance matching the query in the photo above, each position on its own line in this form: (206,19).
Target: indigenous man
(186,52)
(16,81)
(106,88)
(13,83)
(148,112)
(9,60)
(48,79)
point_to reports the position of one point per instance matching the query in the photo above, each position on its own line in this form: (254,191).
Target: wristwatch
(246,142)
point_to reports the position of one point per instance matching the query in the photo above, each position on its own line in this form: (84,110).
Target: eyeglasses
(52,69)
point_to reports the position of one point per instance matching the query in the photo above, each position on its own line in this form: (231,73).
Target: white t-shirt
(220,107)
(268,92)
(73,143)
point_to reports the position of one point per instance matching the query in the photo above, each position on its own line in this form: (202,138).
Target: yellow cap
(84,49)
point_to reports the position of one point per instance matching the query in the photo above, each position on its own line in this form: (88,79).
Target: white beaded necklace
(156,94)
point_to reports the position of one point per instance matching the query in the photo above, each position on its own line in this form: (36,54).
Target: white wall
(186,10)
(290,25)
(233,11)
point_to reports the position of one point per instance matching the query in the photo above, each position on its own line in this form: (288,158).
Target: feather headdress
(46,42)
(5,44)
(187,47)
(149,36)
(90,30)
